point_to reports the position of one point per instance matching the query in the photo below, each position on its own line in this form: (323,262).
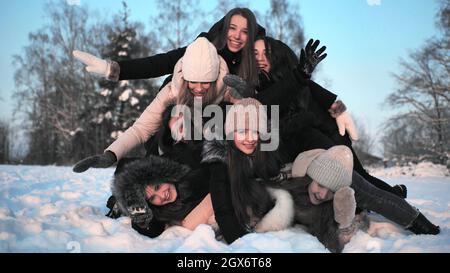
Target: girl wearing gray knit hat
(331,172)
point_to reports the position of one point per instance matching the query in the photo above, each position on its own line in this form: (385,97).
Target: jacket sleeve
(145,126)
(323,97)
(325,228)
(154,229)
(222,204)
(200,214)
(150,67)
(279,93)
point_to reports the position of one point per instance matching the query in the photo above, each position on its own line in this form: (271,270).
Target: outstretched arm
(150,67)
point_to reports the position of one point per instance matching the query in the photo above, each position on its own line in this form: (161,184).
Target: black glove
(140,215)
(97,161)
(239,88)
(310,58)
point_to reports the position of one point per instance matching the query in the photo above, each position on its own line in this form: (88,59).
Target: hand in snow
(93,64)
(310,58)
(140,215)
(97,161)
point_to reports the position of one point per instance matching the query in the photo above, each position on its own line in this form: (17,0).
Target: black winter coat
(164,63)
(195,181)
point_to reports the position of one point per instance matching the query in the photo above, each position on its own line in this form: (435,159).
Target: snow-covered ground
(52,209)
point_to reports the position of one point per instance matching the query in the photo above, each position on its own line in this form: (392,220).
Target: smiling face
(261,56)
(199,89)
(319,194)
(237,35)
(246,141)
(161,194)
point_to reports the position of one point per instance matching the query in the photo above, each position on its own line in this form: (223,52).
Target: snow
(52,209)
(116,134)
(98,119)
(134,101)
(105,92)
(124,83)
(125,95)
(423,169)
(108,115)
(141,92)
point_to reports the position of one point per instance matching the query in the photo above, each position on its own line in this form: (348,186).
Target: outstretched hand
(310,58)
(97,161)
(345,123)
(93,64)
(140,216)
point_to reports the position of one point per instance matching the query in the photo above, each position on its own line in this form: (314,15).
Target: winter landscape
(52,209)
(55,112)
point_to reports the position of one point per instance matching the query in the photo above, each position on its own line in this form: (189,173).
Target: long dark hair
(281,57)
(283,61)
(249,195)
(248,67)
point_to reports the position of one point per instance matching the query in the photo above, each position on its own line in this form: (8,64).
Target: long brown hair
(248,67)
(249,195)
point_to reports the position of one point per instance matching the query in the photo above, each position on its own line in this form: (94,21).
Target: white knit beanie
(332,168)
(247,114)
(200,62)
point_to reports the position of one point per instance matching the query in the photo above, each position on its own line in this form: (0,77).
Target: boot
(400,190)
(421,225)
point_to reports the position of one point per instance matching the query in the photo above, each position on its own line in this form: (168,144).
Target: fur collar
(281,215)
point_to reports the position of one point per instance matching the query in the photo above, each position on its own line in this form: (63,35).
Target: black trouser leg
(385,203)
(358,167)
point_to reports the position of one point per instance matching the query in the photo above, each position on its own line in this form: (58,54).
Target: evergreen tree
(123,102)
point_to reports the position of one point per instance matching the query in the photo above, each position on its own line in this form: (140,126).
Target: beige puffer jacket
(150,120)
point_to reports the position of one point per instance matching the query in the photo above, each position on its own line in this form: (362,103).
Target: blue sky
(365,40)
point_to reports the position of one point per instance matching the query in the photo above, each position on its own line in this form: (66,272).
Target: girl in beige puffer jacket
(199,74)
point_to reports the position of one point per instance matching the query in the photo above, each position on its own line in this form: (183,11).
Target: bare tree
(4,142)
(224,6)
(176,22)
(284,23)
(51,90)
(365,145)
(424,94)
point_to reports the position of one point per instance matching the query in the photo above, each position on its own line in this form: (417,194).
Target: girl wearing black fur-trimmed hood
(157,192)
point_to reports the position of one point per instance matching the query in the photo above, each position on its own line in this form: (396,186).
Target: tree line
(67,113)
(421,129)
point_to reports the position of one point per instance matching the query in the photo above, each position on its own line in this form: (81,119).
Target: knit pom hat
(246,114)
(201,62)
(330,168)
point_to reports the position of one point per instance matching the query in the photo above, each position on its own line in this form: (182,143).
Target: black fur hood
(151,170)
(128,186)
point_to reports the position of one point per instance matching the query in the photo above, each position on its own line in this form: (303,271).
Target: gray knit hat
(330,168)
